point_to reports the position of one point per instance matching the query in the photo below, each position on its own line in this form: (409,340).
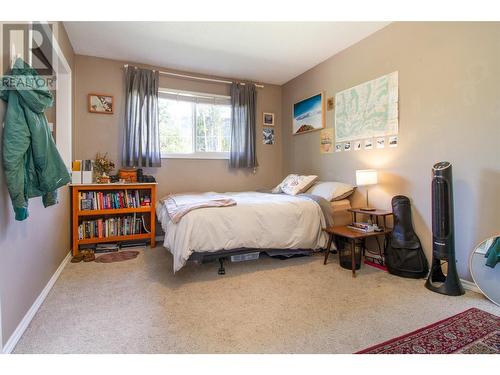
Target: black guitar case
(404,255)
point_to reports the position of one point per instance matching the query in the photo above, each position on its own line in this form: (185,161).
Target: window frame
(196,154)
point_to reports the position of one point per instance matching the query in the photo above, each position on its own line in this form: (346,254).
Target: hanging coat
(493,253)
(32,164)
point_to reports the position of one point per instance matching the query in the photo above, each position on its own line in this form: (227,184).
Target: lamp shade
(366,177)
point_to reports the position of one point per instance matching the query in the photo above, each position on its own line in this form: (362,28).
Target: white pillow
(331,190)
(294,184)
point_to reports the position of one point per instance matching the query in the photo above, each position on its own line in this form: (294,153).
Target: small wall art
(268,119)
(381,142)
(330,103)
(268,136)
(100,103)
(393,141)
(326,141)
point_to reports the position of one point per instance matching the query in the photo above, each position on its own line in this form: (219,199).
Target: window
(194,125)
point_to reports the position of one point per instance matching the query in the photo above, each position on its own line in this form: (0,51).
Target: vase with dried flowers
(103,166)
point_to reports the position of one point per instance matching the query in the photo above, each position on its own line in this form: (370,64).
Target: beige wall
(449,75)
(30,250)
(103,133)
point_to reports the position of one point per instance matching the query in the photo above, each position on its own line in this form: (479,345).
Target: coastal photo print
(268,136)
(309,114)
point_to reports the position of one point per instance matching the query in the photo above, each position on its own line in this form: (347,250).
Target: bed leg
(222,270)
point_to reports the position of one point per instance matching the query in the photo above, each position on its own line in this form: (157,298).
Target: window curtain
(141,147)
(243,134)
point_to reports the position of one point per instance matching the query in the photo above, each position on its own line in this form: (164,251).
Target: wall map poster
(367,110)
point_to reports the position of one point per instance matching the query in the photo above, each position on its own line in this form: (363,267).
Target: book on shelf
(99,200)
(112,227)
(106,247)
(133,244)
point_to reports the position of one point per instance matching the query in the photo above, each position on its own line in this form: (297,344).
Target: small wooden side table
(374,218)
(373,214)
(352,236)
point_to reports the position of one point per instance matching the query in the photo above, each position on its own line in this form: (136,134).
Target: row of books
(98,200)
(111,247)
(111,227)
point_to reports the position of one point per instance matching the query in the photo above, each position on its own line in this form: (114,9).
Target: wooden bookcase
(78,215)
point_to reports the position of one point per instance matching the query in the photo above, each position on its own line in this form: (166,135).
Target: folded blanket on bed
(179,205)
(324,205)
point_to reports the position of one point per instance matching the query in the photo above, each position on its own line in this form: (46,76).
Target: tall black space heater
(443,236)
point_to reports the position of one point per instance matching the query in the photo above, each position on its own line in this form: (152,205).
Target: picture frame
(268,119)
(268,136)
(101,103)
(308,114)
(326,141)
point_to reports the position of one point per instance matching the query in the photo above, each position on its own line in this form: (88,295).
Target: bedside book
(362,227)
(359,229)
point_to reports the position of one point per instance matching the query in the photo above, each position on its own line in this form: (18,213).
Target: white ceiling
(271,52)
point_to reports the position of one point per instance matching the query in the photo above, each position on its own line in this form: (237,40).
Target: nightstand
(352,236)
(374,215)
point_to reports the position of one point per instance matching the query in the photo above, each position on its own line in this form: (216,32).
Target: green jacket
(32,164)
(493,253)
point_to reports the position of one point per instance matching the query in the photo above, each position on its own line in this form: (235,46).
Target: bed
(273,223)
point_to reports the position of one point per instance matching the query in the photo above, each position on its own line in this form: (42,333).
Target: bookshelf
(112,213)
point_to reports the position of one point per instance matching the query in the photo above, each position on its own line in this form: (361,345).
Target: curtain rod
(198,78)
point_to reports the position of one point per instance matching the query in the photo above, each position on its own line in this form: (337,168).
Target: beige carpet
(265,306)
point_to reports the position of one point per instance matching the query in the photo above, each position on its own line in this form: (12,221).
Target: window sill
(198,155)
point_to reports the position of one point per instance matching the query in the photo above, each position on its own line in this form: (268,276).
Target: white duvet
(257,221)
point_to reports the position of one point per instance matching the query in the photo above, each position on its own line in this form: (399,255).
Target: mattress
(258,221)
(339,211)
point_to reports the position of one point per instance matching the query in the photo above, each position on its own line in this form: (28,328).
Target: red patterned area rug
(117,257)
(471,332)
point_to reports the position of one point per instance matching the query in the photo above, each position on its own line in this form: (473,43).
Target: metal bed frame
(223,255)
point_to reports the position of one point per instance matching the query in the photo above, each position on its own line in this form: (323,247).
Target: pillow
(332,190)
(294,184)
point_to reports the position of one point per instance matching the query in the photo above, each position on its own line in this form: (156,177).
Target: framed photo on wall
(268,136)
(101,103)
(309,114)
(268,119)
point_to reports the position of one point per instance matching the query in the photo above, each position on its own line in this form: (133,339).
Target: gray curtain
(243,137)
(141,147)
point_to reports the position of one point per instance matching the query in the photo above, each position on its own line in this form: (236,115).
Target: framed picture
(100,103)
(326,141)
(268,136)
(309,114)
(268,119)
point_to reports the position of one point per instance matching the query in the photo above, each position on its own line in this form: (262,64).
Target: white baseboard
(469,285)
(16,335)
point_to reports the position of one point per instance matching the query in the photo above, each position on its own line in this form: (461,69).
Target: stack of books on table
(362,227)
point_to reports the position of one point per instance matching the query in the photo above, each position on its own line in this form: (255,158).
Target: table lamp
(366,177)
